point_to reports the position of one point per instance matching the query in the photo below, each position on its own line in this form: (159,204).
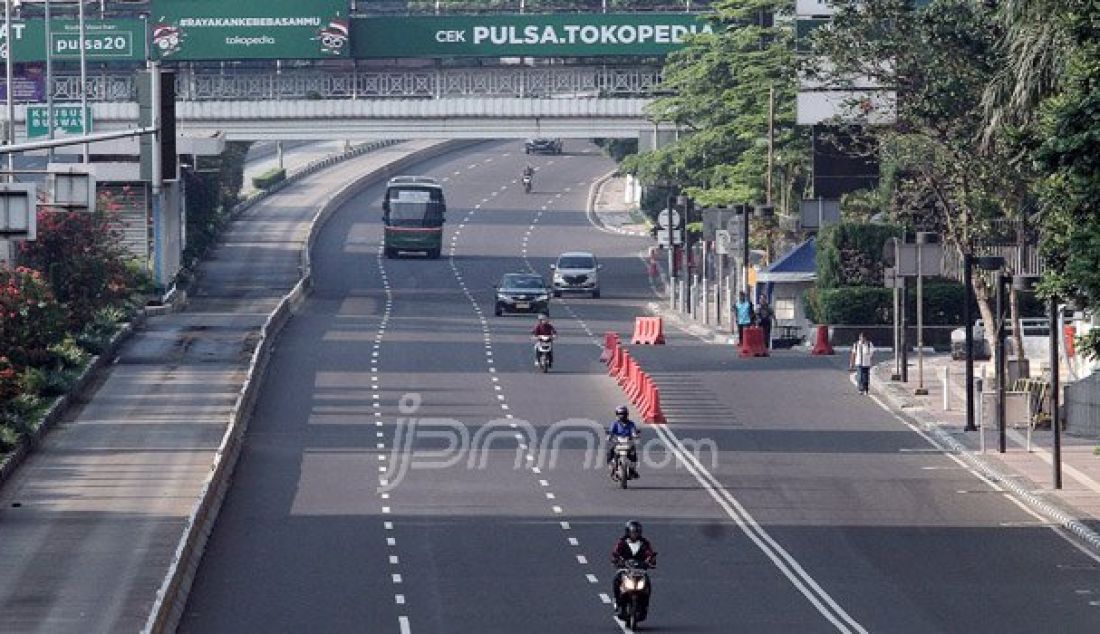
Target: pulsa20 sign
(249,29)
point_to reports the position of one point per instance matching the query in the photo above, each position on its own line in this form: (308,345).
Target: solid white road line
(782,560)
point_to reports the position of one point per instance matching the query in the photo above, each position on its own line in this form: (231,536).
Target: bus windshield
(418,214)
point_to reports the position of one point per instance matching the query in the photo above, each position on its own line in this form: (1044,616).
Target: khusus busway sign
(249,29)
(524,35)
(66,119)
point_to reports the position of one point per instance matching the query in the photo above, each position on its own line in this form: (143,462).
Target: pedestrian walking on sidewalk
(764,318)
(860,361)
(744,314)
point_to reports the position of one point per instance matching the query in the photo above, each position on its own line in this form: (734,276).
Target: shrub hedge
(269,178)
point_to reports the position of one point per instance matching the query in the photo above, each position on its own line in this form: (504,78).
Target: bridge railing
(539,82)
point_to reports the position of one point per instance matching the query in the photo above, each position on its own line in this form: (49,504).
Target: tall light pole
(990,263)
(83,78)
(10,136)
(1055,367)
(968,298)
(923,238)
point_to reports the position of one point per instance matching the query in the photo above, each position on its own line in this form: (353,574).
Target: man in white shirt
(860,361)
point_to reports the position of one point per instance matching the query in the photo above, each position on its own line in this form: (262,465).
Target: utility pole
(771,140)
(10,136)
(83,77)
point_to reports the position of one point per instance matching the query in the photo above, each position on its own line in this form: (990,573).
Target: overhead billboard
(524,35)
(121,39)
(189,30)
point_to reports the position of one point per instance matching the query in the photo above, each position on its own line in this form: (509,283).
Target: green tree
(1069,158)
(720,87)
(941,60)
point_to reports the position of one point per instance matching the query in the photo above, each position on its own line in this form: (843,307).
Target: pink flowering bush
(31,319)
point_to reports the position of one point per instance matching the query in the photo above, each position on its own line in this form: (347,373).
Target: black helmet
(622,411)
(633,527)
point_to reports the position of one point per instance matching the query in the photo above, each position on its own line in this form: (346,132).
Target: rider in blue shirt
(623,427)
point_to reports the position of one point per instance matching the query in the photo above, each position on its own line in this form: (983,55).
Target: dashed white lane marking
(403,623)
(488,345)
(399,599)
(396,577)
(592,579)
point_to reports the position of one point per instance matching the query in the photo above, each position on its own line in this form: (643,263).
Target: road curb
(594,216)
(172,596)
(1053,512)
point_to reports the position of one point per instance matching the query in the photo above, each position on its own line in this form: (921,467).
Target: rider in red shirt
(545,329)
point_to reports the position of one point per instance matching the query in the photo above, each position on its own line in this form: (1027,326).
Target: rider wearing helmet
(622,427)
(637,550)
(544,329)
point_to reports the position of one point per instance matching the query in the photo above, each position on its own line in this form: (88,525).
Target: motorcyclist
(544,329)
(622,427)
(637,550)
(528,172)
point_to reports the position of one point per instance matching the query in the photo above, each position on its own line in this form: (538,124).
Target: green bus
(413,211)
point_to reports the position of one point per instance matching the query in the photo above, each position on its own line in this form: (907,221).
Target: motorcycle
(544,347)
(527,183)
(622,467)
(634,590)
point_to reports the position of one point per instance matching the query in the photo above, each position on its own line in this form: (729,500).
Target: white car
(576,272)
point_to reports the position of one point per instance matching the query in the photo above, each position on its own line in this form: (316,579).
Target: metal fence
(1082,407)
(238,85)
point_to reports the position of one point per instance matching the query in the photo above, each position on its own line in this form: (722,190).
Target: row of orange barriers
(639,387)
(649,331)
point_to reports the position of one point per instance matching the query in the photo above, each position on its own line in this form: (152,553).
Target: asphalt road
(409,471)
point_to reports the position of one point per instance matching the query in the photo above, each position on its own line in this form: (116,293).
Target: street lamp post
(764,212)
(985,263)
(968,298)
(999,361)
(1055,421)
(686,204)
(1025,284)
(923,238)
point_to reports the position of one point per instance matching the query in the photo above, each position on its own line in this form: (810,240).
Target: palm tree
(1034,41)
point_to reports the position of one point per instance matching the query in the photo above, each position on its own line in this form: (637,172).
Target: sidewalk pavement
(1027,474)
(91,521)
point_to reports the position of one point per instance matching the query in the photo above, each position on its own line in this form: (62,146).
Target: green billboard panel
(104,40)
(249,29)
(529,35)
(66,120)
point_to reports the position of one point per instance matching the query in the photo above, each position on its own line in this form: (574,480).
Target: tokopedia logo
(606,34)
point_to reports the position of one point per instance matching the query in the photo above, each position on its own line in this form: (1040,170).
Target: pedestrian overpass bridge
(320,104)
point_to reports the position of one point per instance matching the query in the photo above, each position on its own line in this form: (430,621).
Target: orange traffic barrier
(645,398)
(610,342)
(616,365)
(752,342)
(652,413)
(649,331)
(634,390)
(626,368)
(821,343)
